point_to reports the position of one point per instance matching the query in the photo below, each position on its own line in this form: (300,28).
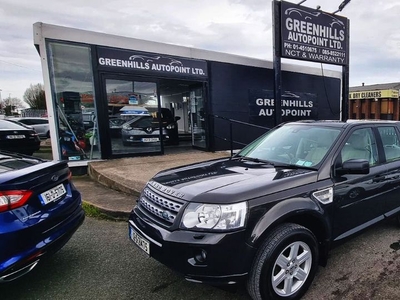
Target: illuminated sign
(374,94)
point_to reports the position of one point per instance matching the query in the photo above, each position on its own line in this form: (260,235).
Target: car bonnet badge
(165,215)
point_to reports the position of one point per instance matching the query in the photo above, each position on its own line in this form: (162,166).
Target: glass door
(197,116)
(134,125)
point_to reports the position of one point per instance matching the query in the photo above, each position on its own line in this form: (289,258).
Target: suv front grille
(161,209)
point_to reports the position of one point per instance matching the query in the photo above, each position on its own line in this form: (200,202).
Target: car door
(389,135)
(358,198)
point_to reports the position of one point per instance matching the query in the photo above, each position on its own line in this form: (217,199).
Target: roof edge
(56,32)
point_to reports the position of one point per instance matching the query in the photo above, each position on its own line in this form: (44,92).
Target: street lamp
(341,6)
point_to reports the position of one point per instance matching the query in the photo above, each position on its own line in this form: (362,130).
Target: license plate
(139,241)
(74,158)
(15,136)
(53,194)
(148,140)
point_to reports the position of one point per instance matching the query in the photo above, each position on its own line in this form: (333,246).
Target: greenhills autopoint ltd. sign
(313,35)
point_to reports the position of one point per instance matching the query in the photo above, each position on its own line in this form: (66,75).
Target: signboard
(295,106)
(313,35)
(374,94)
(150,63)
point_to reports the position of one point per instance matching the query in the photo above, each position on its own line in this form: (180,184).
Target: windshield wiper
(254,159)
(274,164)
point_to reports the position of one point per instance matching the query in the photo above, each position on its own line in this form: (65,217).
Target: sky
(242,27)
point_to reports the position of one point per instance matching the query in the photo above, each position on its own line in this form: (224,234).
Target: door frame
(103,117)
(204,90)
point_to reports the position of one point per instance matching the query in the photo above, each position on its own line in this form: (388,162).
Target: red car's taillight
(13,199)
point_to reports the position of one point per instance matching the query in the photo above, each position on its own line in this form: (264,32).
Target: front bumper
(214,258)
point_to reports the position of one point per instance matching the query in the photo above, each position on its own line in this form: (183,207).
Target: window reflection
(133,123)
(72,83)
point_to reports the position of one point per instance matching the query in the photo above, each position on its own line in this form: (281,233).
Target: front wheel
(285,264)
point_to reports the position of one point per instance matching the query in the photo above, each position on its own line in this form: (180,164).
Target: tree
(35,97)
(9,105)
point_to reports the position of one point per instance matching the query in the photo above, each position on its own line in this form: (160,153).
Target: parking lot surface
(100,262)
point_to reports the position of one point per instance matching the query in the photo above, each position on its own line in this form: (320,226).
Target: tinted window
(39,121)
(391,144)
(25,121)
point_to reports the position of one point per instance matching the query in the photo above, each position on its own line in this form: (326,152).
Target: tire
(274,257)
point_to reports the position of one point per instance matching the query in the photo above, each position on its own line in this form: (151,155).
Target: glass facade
(72,85)
(197,117)
(133,123)
(137,114)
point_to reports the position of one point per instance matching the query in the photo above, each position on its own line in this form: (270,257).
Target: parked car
(40,209)
(41,125)
(169,122)
(15,137)
(141,130)
(115,125)
(270,214)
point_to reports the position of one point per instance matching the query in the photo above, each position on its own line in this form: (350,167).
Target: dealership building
(110,96)
(377,101)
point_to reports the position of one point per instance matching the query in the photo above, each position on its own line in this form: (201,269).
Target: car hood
(232,180)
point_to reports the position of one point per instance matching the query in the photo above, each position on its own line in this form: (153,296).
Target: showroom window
(73,93)
(133,123)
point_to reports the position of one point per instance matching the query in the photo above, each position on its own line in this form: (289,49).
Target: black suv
(270,214)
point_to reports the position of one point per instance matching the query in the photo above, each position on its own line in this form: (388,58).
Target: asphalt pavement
(112,186)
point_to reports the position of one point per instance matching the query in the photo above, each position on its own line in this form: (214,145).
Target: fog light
(201,257)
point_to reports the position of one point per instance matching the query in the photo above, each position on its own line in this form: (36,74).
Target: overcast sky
(242,27)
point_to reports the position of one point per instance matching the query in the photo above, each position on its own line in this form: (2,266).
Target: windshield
(293,144)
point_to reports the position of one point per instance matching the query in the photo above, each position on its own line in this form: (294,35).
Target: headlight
(215,217)
(126,127)
(170,126)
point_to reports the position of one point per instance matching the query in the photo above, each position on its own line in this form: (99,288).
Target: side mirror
(177,119)
(354,166)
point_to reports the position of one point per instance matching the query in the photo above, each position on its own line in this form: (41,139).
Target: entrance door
(133,123)
(197,116)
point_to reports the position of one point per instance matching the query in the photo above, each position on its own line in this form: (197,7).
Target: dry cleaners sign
(150,63)
(295,105)
(313,35)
